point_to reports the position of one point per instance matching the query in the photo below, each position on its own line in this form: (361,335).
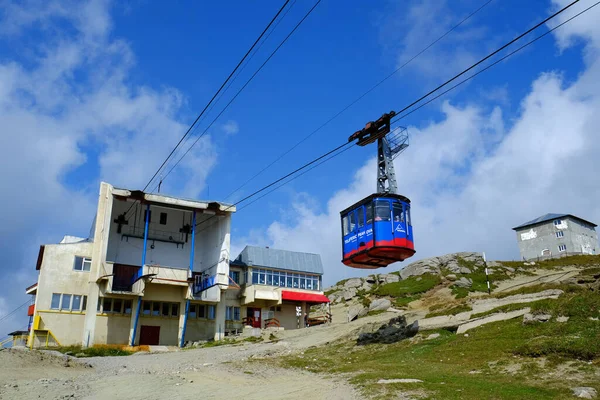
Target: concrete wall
(287,316)
(577,237)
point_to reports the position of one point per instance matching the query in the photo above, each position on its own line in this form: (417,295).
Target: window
(302,282)
(369,213)
(66,302)
(275,278)
(201,311)
(117,304)
(269,278)
(127,306)
(261,276)
(361,216)
(352,221)
(408,216)
(235,276)
(289,280)
(211,312)
(82,264)
(382,210)
(229,313)
(76,302)
(296,281)
(55,304)
(346,225)
(165,309)
(254,277)
(192,311)
(562,247)
(557,222)
(163,218)
(107,305)
(146,308)
(84,305)
(155,309)
(174,310)
(99,304)
(560,234)
(398,214)
(236,313)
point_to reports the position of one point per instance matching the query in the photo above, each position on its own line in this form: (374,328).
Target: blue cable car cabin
(377,231)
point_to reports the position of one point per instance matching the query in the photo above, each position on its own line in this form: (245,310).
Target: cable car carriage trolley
(377,230)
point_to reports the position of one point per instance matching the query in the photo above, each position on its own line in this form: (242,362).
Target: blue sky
(102,90)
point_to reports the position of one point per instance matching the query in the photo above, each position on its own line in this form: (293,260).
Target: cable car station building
(156,270)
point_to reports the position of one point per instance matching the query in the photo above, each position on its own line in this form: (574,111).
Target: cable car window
(408,215)
(352,221)
(345,225)
(369,207)
(398,214)
(382,210)
(361,217)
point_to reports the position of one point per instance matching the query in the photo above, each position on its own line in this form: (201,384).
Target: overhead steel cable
(243,87)
(488,56)
(213,97)
(458,75)
(359,98)
(231,82)
(494,63)
(15,310)
(218,91)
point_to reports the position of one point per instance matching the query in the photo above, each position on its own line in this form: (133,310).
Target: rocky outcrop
(492,318)
(380,305)
(480,306)
(356,311)
(534,318)
(456,263)
(393,331)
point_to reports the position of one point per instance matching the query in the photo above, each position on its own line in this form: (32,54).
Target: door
(256,321)
(399,224)
(150,335)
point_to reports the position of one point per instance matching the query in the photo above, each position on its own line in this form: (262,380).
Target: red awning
(308,297)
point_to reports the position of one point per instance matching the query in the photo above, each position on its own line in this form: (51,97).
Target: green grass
(408,287)
(375,312)
(460,292)
(254,339)
(450,311)
(97,351)
(444,364)
(223,342)
(403,301)
(577,260)
(594,271)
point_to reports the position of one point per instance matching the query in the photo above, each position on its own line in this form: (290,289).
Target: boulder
(371,279)
(353,283)
(534,318)
(348,294)
(484,305)
(465,270)
(395,330)
(357,310)
(464,282)
(585,392)
(451,277)
(388,278)
(366,286)
(509,269)
(380,305)
(434,265)
(562,319)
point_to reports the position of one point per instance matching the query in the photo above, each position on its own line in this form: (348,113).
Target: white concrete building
(155,270)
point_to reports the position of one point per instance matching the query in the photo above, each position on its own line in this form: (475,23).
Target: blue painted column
(139,275)
(187,303)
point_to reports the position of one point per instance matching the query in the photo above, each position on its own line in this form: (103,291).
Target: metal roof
(550,217)
(280,259)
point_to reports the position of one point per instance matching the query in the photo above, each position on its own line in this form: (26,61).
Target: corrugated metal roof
(550,217)
(280,259)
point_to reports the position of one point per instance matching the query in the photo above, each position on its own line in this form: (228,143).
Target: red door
(254,313)
(149,335)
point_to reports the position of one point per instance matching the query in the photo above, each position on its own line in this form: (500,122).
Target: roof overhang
(174,202)
(32,289)
(301,296)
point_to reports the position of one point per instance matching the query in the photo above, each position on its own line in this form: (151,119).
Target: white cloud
(471,178)
(406,30)
(67,104)
(230,128)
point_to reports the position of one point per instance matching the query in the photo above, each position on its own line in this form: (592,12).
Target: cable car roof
(376,196)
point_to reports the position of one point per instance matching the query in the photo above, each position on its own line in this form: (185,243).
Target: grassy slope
(445,364)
